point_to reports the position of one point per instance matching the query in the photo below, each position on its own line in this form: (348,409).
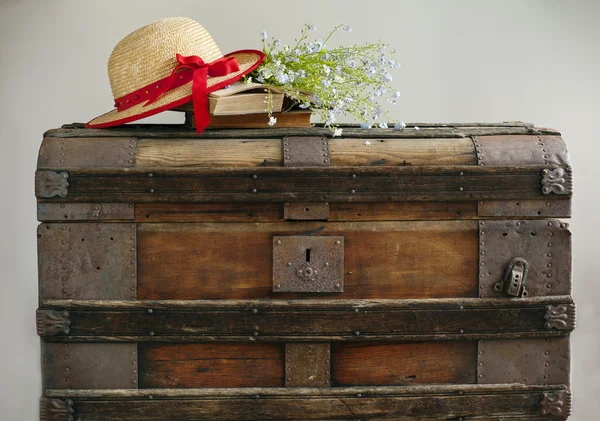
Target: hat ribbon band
(189,68)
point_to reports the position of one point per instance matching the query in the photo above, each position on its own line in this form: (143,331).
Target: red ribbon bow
(201,71)
(188,68)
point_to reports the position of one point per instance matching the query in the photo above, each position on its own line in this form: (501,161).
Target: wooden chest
(281,274)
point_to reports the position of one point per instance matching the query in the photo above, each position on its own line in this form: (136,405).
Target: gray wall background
(464,60)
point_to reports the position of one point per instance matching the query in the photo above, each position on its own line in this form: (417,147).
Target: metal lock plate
(514,279)
(308,263)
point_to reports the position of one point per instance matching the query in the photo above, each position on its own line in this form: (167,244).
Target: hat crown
(149,53)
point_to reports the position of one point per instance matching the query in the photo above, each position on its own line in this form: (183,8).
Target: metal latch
(514,279)
(308,263)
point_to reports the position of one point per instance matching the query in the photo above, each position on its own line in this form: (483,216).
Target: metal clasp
(514,279)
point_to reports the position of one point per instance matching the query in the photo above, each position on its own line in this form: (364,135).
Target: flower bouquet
(352,80)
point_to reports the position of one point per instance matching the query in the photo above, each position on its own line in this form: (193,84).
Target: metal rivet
(150,310)
(150,397)
(357,333)
(352,191)
(549,275)
(481,376)
(255,176)
(349,272)
(359,395)
(549,224)
(150,175)
(353,175)
(549,254)
(547,353)
(254,190)
(563,225)
(337,286)
(549,244)
(547,365)
(461,173)
(482,286)
(461,331)
(290,264)
(337,241)
(548,285)
(518,224)
(326,263)
(151,190)
(278,241)
(278,286)
(460,188)
(461,307)
(255,333)
(67,369)
(151,333)
(287,157)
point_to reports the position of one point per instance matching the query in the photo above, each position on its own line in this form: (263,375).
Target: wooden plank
(182,131)
(273,212)
(409,320)
(405,152)
(211,365)
(291,404)
(268,152)
(234,261)
(328,184)
(364,364)
(209,153)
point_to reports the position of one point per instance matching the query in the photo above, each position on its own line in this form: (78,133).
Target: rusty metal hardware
(85,211)
(556,403)
(56,410)
(544,244)
(94,261)
(87,152)
(514,279)
(308,263)
(52,322)
(558,181)
(306,211)
(525,208)
(89,365)
(307,364)
(50,184)
(560,317)
(525,361)
(305,151)
(521,150)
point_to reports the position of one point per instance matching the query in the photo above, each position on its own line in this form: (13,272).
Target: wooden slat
(182,131)
(500,402)
(273,212)
(406,321)
(361,364)
(330,184)
(234,261)
(211,365)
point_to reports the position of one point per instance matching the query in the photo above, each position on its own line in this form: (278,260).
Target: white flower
(417,128)
(367,142)
(396,95)
(337,132)
(264,35)
(248,81)
(366,125)
(229,86)
(401,125)
(383,125)
(272,121)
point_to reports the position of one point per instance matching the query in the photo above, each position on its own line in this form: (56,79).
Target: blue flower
(387,77)
(401,125)
(272,121)
(311,28)
(264,35)
(326,82)
(396,95)
(366,125)
(383,125)
(277,42)
(348,28)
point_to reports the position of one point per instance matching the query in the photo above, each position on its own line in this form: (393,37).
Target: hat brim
(248,60)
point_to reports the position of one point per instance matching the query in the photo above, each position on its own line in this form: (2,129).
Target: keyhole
(307,255)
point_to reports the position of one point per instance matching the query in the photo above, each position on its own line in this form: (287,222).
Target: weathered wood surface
(364,364)
(410,320)
(211,365)
(273,212)
(182,131)
(258,404)
(268,152)
(328,184)
(234,261)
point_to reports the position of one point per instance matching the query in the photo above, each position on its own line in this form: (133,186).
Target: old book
(247,273)
(255,121)
(241,98)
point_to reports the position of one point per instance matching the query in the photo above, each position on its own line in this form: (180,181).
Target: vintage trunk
(281,274)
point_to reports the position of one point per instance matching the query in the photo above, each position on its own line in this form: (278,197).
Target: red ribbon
(189,68)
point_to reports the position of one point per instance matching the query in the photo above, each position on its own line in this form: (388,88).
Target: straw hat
(166,64)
